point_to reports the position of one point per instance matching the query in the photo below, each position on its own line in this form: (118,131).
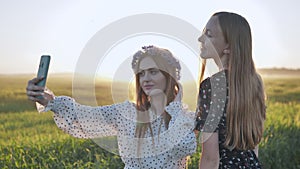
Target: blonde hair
(246,105)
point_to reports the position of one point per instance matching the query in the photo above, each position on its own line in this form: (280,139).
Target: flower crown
(157,52)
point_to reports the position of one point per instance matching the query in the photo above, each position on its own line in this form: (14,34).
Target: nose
(200,39)
(146,77)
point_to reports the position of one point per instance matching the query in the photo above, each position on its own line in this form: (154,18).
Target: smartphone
(43,69)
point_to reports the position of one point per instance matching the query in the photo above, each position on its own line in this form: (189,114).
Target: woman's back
(213,102)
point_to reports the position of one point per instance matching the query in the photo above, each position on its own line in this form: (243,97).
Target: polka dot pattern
(171,146)
(213,98)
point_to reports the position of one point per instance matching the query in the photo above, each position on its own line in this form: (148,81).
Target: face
(150,77)
(212,41)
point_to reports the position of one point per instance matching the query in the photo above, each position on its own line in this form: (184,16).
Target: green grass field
(32,140)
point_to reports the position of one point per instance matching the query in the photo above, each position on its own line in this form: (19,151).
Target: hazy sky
(62,28)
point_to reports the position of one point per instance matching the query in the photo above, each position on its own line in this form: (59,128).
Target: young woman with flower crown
(153,132)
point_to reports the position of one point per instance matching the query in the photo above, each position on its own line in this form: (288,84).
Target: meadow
(29,139)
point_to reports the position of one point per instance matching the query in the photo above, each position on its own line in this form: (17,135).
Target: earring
(226,51)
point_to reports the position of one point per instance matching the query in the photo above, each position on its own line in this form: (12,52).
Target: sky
(64,28)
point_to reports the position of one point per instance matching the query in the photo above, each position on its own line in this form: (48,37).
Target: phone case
(43,69)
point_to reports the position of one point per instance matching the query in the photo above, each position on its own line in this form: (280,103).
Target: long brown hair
(246,105)
(143,103)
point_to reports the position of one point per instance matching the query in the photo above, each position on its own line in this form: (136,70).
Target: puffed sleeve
(84,121)
(181,127)
(211,103)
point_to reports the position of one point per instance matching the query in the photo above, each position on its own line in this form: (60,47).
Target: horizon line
(69,72)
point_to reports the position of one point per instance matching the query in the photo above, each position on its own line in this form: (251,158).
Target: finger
(32,85)
(180,87)
(35,88)
(34,93)
(33,99)
(179,93)
(35,80)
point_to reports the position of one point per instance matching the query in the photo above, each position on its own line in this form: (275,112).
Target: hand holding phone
(43,69)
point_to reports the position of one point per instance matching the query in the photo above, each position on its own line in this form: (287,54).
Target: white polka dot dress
(170,148)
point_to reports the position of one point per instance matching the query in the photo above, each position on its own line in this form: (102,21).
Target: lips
(201,46)
(148,87)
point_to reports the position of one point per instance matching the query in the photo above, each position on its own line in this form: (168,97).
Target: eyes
(207,33)
(150,71)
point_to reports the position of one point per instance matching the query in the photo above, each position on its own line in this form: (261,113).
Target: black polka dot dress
(213,97)
(167,149)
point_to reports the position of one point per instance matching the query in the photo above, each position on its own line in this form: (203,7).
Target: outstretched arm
(77,120)
(85,121)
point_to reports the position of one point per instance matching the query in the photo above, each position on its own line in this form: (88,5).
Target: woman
(231,103)
(145,129)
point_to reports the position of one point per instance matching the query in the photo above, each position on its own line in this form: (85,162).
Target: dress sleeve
(84,121)
(204,102)
(181,126)
(211,104)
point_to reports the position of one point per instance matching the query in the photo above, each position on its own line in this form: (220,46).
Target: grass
(32,140)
